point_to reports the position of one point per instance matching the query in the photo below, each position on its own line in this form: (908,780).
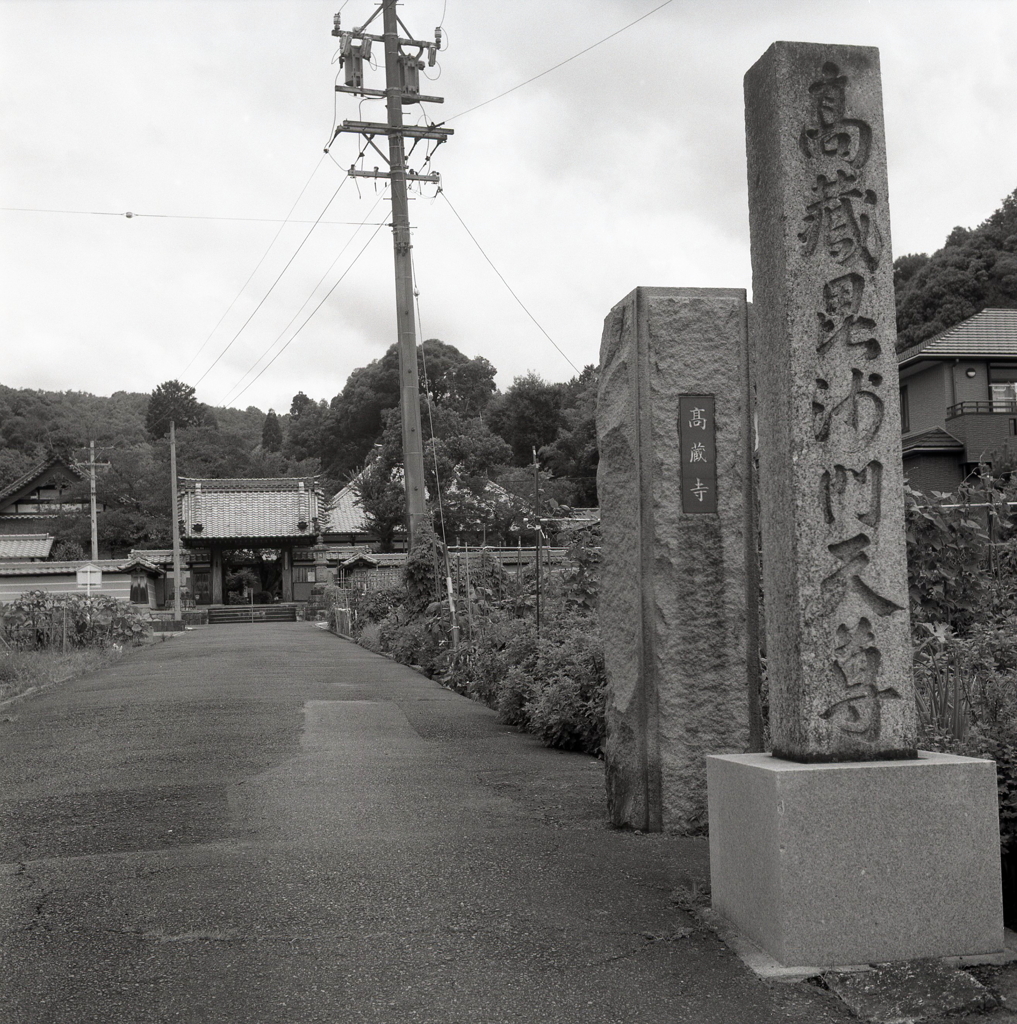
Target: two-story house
(958,399)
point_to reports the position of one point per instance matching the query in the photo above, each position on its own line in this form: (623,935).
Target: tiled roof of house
(993,332)
(25,545)
(24,481)
(935,440)
(65,568)
(254,508)
(346,514)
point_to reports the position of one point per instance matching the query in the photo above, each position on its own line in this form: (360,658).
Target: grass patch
(21,670)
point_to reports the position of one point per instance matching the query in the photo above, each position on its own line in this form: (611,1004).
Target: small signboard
(697,440)
(89,577)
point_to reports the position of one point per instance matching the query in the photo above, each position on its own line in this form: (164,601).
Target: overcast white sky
(625,167)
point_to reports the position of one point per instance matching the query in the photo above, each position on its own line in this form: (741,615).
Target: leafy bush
(39,620)
(566,709)
(551,683)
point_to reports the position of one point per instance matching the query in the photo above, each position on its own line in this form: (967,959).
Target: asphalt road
(265,823)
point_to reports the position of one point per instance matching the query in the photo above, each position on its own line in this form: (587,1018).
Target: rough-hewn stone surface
(678,630)
(831,499)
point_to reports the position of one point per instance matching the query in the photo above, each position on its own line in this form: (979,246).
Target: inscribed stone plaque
(697,432)
(831,485)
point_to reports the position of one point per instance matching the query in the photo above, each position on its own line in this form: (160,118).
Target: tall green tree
(528,415)
(271,432)
(171,400)
(304,428)
(573,454)
(451,379)
(356,420)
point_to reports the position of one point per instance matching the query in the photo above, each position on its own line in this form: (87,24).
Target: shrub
(567,706)
(39,620)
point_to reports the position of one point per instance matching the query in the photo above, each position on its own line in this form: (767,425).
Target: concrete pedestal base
(829,864)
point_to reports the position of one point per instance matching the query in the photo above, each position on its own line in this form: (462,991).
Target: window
(905,415)
(1003,387)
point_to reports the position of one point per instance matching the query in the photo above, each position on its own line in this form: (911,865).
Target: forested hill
(976,269)
(476,432)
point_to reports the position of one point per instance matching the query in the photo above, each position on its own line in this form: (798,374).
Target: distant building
(130,579)
(51,490)
(272,522)
(958,399)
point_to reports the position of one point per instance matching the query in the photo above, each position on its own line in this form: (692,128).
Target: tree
(528,415)
(304,428)
(458,460)
(171,400)
(355,419)
(976,269)
(206,452)
(380,486)
(573,454)
(452,379)
(271,432)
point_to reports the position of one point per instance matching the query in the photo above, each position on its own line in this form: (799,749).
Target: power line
(256,269)
(559,64)
(278,337)
(504,282)
(274,283)
(313,311)
(177,216)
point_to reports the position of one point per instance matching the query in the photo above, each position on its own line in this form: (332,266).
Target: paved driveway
(269,824)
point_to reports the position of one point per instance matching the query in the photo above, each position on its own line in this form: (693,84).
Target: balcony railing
(980,408)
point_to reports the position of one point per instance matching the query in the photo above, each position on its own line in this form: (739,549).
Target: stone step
(251,613)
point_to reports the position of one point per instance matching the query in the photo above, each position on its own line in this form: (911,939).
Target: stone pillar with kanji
(831,479)
(846,844)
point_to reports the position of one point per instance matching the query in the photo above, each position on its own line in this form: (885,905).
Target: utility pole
(402,86)
(92,464)
(91,498)
(175,519)
(537,540)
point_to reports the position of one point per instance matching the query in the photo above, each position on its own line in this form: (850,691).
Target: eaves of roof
(114,565)
(935,440)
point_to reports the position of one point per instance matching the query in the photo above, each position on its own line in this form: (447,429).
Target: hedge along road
(265,823)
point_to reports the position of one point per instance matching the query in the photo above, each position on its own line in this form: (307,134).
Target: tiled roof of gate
(253,508)
(992,332)
(25,545)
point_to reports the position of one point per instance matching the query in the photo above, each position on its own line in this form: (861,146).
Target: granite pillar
(675,610)
(831,483)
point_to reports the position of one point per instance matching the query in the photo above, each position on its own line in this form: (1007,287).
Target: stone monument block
(831,481)
(831,864)
(676,617)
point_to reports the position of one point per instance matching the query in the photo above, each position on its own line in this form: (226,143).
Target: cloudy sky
(207,119)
